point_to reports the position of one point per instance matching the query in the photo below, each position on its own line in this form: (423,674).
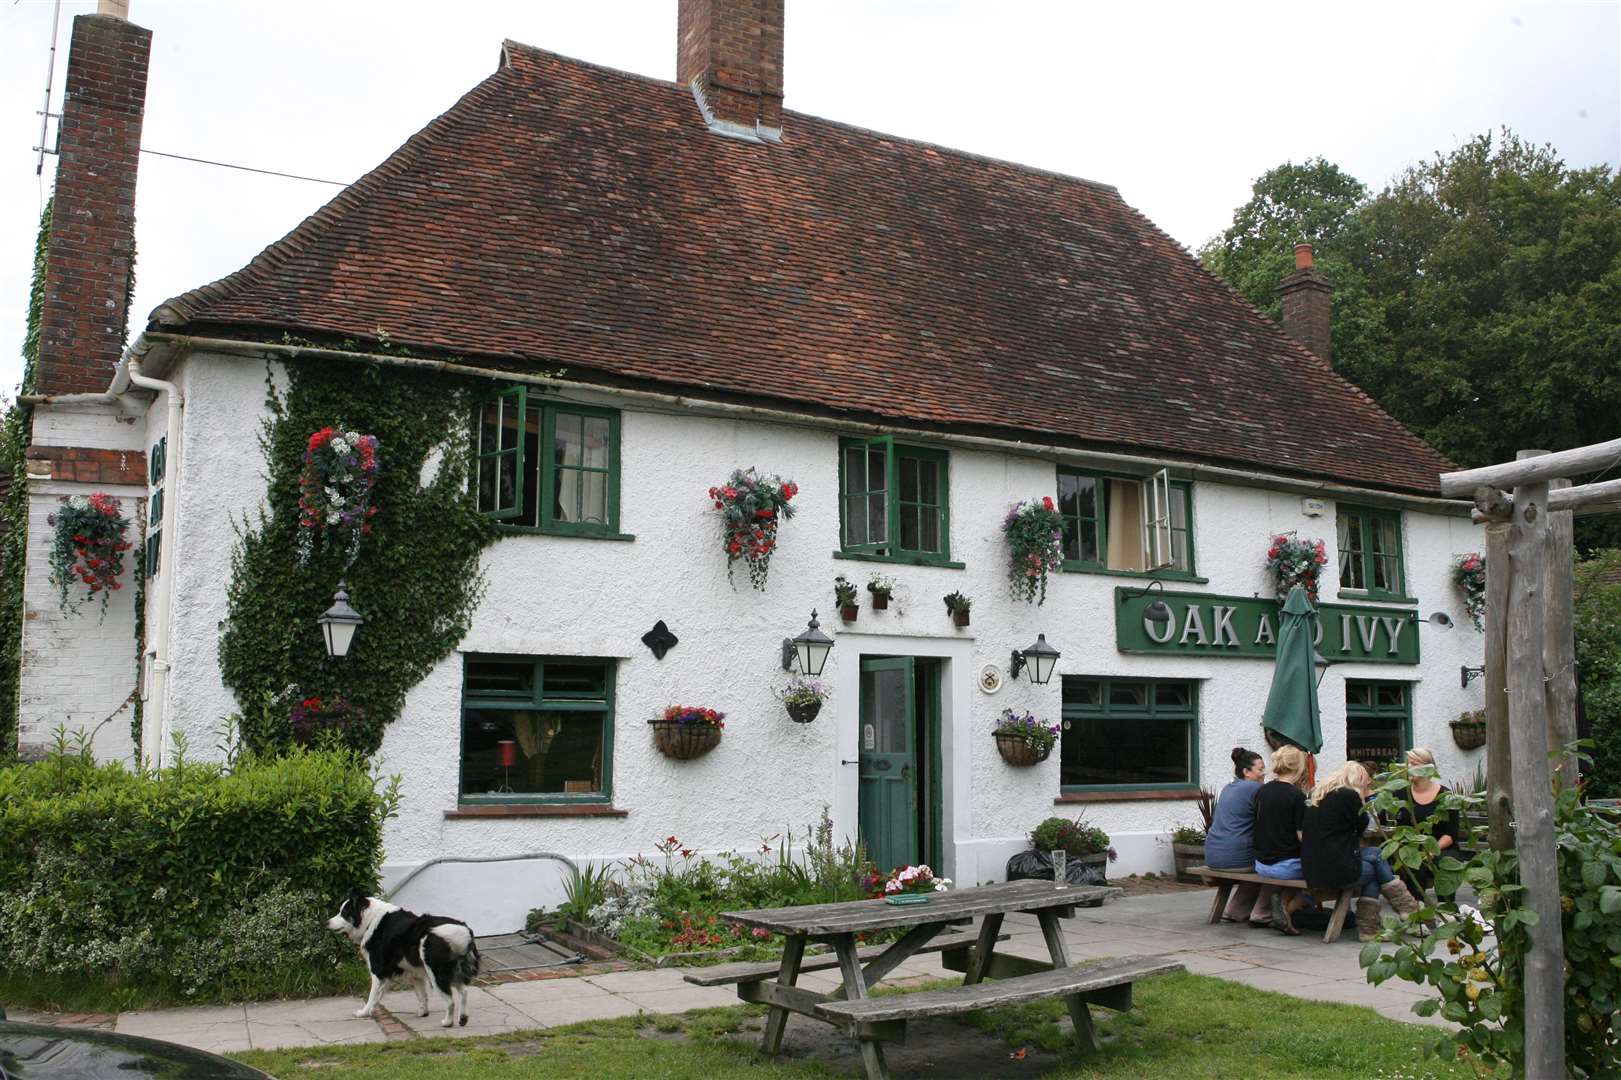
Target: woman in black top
(1423,805)
(1280,808)
(1331,851)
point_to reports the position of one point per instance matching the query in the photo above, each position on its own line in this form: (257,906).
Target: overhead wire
(245,168)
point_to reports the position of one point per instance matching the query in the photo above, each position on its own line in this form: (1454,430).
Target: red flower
(1047,502)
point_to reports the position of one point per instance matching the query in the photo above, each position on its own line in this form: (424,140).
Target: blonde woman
(1280,813)
(1424,804)
(1332,853)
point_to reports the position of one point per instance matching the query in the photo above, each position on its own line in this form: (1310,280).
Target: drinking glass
(1060,861)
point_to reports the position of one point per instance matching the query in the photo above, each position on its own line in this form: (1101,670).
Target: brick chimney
(1307,304)
(90,259)
(730,53)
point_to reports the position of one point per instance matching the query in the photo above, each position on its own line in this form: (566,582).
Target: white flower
(941,884)
(333,517)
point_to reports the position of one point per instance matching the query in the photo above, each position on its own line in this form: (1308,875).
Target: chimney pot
(118,9)
(1302,256)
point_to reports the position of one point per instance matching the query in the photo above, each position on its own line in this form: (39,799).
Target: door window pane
(883,708)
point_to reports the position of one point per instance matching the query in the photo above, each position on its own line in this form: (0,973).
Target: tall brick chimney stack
(1307,304)
(730,53)
(90,259)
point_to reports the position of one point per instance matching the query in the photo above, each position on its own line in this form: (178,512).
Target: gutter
(686,403)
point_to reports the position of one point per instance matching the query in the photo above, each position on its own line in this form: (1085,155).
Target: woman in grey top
(1229,845)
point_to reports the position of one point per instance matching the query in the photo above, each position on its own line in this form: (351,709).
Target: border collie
(395,942)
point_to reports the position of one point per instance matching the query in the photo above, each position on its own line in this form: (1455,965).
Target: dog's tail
(467,963)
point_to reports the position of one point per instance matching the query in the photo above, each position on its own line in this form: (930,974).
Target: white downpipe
(160,621)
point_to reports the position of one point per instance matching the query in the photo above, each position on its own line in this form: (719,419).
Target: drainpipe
(161,650)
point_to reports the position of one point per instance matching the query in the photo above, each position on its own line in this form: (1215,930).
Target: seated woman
(1332,854)
(1230,842)
(1423,806)
(1280,811)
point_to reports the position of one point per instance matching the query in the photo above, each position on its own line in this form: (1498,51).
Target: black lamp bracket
(1016,665)
(1467,674)
(789,654)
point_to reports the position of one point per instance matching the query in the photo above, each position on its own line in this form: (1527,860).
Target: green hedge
(186,882)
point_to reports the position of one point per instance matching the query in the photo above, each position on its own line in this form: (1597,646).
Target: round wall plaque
(990,678)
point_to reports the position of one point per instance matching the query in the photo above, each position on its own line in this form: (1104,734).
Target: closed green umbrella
(1291,705)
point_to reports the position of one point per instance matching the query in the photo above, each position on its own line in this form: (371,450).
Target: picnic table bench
(874,1021)
(1224,880)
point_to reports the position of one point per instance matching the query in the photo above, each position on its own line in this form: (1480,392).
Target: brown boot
(1400,899)
(1367,918)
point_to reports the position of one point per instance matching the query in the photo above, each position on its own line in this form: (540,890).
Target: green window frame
(1370,552)
(894,502)
(1083,502)
(544,694)
(548,466)
(1373,709)
(1144,710)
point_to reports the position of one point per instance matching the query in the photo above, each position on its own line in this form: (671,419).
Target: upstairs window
(893,500)
(551,466)
(1129,524)
(1370,551)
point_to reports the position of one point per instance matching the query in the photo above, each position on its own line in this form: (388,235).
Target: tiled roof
(563,214)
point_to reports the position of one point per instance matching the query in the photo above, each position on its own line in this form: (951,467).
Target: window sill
(1126,795)
(903,560)
(530,530)
(1164,575)
(502,810)
(1377,597)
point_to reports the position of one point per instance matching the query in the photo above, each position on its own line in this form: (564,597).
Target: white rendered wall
(571,596)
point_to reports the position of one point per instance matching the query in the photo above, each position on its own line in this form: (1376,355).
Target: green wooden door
(888,762)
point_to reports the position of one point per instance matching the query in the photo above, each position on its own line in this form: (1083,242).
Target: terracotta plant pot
(848,614)
(802,712)
(960,618)
(684,741)
(1016,751)
(880,601)
(1468,736)
(1185,856)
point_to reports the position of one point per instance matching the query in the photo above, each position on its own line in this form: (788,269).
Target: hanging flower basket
(751,507)
(1016,751)
(803,698)
(685,731)
(335,491)
(1469,731)
(1469,574)
(1022,739)
(802,712)
(1035,534)
(1292,560)
(87,549)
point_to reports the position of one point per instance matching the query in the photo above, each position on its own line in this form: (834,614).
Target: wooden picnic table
(873,1021)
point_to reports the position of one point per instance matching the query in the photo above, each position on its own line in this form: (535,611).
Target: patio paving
(1162,924)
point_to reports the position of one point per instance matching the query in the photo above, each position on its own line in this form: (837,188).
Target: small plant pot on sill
(802,712)
(1468,736)
(1019,752)
(959,618)
(880,601)
(684,741)
(848,614)
(1186,856)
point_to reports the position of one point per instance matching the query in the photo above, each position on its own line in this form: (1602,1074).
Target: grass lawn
(76,994)
(1183,1026)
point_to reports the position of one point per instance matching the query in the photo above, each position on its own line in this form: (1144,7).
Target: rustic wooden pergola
(1527,506)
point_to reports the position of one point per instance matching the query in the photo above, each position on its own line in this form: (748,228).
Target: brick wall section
(736,47)
(86,465)
(1307,305)
(92,244)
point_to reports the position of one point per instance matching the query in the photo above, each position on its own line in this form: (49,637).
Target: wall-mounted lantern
(809,650)
(1039,659)
(339,623)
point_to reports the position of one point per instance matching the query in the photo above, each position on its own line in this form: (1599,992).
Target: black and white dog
(395,942)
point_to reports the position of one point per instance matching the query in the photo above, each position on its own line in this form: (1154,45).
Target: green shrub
(187,881)
(1075,837)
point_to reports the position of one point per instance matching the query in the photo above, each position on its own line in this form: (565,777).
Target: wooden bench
(1104,982)
(1224,880)
(949,942)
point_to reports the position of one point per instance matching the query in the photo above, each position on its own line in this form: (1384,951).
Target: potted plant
(1469,574)
(845,596)
(958,604)
(335,490)
(1022,739)
(1035,535)
(803,699)
(1083,843)
(1187,850)
(751,507)
(1469,730)
(881,588)
(1293,561)
(87,549)
(687,731)
(912,885)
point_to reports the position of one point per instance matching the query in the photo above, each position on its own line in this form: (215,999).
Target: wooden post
(1559,643)
(1532,782)
(1499,759)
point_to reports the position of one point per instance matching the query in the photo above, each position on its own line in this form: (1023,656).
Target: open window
(1126,524)
(548,466)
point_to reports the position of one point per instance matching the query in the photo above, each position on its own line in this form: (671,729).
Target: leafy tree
(1598,654)
(1477,297)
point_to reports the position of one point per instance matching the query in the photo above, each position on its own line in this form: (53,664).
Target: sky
(1179,105)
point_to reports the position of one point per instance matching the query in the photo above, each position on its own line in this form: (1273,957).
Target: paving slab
(217,1028)
(529,996)
(676,1001)
(486,1014)
(654,979)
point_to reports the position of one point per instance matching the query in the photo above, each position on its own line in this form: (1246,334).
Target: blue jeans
(1288,868)
(1375,872)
